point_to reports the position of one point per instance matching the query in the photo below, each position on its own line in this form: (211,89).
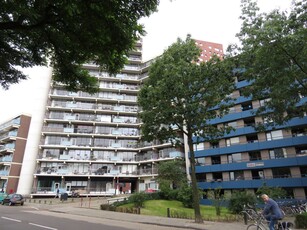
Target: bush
(107,207)
(138,199)
(239,200)
(301,221)
(185,196)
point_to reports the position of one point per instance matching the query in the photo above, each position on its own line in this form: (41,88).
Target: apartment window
(217,176)
(274,135)
(278,153)
(216,160)
(232,141)
(236,175)
(249,122)
(257,174)
(303,171)
(267,120)
(200,161)
(246,106)
(301,150)
(236,157)
(298,132)
(233,124)
(201,177)
(254,156)
(263,102)
(199,146)
(252,138)
(281,172)
(232,110)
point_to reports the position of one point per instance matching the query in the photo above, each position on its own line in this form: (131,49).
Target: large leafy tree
(181,95)
(67,34)
(272,54)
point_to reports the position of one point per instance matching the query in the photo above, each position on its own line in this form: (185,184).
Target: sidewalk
(91,208)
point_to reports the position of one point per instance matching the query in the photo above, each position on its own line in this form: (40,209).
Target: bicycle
(262,224)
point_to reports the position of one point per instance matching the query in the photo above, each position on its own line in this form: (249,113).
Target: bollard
(39,201)
(245,218)
(168,213)
(50,202)
(45,202)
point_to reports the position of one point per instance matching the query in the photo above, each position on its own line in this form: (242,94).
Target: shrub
(185,196)
(301,221)
(138,199)
(239,200)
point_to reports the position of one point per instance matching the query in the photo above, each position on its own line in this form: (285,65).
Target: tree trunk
(198,217)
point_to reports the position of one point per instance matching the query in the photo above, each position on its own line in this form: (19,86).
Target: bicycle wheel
(254,227)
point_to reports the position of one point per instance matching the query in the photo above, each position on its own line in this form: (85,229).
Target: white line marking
(42,226)
(3,217)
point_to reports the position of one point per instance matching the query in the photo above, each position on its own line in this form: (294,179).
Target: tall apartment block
(208,49)
(247,159)
(13,140)
(91,143)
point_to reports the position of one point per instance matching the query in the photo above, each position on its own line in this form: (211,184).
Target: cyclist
(271,211)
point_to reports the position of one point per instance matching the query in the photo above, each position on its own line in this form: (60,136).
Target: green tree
(272,192)
(181,95)
(67,34)
(241,199)
(172,173)
(217,199)
(272,55)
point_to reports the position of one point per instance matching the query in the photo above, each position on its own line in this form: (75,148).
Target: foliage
(159,208)
(138,199)
(67,34)
(301,221)
(217,199)
(239,200)
(172,173)
(179,97)
(272,56)
(272,192)
(185,196)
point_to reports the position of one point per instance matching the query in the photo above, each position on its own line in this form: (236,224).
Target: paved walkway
(90,208)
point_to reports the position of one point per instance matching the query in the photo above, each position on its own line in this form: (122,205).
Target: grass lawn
(159,208)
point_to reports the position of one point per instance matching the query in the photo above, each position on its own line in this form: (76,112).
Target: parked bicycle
(260,223)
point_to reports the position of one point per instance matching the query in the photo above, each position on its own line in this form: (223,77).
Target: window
(281,172)
(246,106)
(252,138)
(233,124)
(257,174)
(201,177)
(236,175)
(278,153)
(232,141)
(263,102)
(274,135)
(303,171)
(216,160)
(200,161)
(199,146)
(254,156)
(236,157)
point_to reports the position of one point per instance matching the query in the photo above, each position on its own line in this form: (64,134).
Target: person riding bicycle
(271,211)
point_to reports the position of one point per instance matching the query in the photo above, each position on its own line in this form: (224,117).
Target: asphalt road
(30,218)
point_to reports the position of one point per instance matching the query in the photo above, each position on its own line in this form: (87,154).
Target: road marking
(3,217)
(42,226)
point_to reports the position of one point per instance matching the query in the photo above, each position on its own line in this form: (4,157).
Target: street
(31,218)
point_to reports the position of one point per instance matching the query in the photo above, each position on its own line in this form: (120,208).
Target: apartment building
(246,158)
(208,49)
(13,141)
(91,143)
